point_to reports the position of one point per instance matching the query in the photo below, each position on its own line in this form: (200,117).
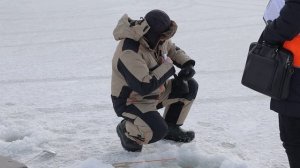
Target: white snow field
(55,67)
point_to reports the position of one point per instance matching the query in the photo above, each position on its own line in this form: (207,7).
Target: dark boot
(127,143)
(175,133)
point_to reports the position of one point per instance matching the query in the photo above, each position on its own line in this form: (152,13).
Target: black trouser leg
(174,112)
(290,136)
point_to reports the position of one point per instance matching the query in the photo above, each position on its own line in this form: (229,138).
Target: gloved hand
(187,72)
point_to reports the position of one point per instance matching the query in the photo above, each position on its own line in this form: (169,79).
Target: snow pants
(144,124)
(290,136)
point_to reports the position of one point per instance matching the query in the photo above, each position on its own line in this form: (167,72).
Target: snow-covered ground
(55,67)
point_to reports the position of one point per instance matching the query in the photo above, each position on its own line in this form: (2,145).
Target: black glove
(187,72)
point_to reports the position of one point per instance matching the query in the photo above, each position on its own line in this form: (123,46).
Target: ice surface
(90,163)
(55,67)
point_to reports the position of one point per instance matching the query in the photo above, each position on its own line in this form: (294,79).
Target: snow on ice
(55,67)
(185,157)
(90,163)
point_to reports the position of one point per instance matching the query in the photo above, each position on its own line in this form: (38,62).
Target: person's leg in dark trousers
(290,136)
(177,106)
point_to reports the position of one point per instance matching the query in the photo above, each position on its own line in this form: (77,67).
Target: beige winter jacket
(138,72)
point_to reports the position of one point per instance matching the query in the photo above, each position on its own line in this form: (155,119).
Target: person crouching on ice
(141,68)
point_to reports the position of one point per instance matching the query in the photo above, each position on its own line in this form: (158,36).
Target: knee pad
(193,89)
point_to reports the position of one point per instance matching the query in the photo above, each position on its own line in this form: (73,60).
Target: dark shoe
(175,133)
(127,143)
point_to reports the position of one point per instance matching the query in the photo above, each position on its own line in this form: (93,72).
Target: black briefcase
(268,70)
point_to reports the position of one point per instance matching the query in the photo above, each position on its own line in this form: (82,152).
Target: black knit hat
(159,22)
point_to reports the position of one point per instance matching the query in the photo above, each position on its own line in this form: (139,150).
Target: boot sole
(180,141)
(176,139)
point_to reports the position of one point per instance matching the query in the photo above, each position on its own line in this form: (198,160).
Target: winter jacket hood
(136,29)
(132,29)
